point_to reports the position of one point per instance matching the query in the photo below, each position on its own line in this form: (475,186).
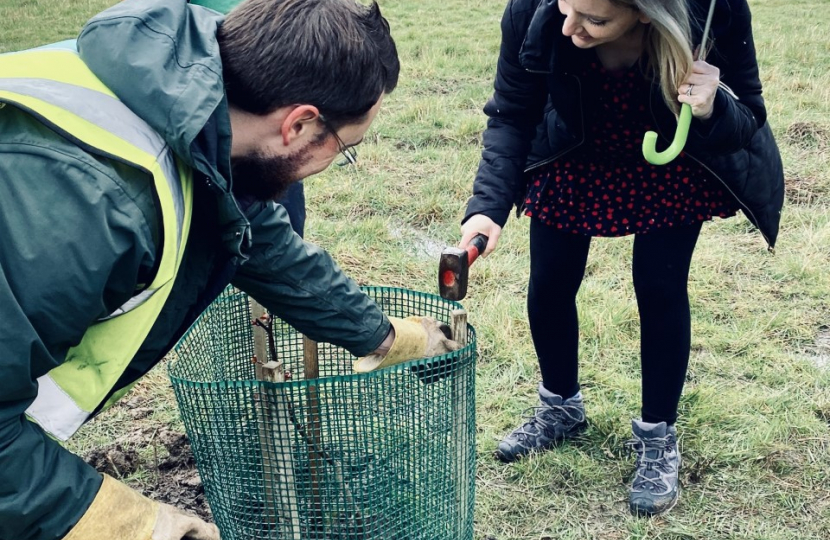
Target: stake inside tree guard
(684,121)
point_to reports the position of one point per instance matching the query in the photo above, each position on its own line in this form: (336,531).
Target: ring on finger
(689,91)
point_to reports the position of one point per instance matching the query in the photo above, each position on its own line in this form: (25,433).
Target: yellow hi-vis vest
(55,86)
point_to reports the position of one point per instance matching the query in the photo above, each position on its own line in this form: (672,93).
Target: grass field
(755,416)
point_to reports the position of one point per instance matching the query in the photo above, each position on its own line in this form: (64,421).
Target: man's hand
(414,337)
(119,512)
(175,524)
(439,337)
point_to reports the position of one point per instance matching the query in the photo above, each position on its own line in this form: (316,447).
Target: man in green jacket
(166,162)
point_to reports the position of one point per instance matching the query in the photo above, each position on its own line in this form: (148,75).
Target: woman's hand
(480,223)
(700,89)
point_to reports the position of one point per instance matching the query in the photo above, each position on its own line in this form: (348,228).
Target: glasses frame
(348,152)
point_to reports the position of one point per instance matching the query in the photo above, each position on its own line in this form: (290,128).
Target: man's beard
(266,178)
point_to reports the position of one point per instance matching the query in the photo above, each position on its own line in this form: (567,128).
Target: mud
(165,465)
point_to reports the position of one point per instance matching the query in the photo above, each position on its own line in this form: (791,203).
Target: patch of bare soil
(170,472)
(163,458)
(114,460)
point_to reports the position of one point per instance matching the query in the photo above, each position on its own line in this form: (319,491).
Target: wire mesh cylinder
(383,455)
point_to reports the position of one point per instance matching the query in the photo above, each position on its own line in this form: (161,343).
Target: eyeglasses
(348,152)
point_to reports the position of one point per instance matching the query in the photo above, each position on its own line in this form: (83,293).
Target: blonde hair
(667,42)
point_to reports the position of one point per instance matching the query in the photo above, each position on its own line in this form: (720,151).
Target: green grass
(755,416)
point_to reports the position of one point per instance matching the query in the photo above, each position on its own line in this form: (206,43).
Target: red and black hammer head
(453,269)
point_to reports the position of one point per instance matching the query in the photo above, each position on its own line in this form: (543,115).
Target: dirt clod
(166,458)
(114,460)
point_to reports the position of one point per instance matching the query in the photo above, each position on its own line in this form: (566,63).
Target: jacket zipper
(744,207)
(520,208)
(578,144)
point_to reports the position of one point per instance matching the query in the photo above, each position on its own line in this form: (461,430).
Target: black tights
(660,272)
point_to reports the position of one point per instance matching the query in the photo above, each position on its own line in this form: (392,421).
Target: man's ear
(299,121)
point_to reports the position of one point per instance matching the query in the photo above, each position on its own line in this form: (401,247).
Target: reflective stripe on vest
(54,85)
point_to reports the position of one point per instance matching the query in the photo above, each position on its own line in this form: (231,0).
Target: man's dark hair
(337,55)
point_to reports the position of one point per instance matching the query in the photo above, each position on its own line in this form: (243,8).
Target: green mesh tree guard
(384,455)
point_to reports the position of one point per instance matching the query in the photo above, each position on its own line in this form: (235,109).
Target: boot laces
(546,416)
(652,470)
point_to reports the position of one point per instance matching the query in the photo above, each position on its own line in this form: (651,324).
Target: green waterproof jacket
(79,237)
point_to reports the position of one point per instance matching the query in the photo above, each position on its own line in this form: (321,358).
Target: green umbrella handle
(650,140)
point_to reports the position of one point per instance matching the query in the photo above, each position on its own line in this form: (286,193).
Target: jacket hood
(161,58)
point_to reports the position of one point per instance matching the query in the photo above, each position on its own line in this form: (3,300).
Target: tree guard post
(274,429)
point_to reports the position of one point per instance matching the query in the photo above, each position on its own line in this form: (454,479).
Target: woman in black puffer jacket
(578,84)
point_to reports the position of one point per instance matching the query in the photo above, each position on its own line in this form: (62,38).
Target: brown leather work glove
(119,512)
(415,337)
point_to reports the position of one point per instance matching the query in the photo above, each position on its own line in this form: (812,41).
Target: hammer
(453,269)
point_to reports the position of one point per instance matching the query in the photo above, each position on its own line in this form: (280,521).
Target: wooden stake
(317,455)
(458,324)
(315,459)
(277,456)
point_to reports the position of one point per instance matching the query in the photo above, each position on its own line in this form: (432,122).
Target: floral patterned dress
(605,187)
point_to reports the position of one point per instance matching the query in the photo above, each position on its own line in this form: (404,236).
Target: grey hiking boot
(552,422)
(655,488)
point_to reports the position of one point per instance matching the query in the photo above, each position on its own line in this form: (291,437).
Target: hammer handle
(476,247)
